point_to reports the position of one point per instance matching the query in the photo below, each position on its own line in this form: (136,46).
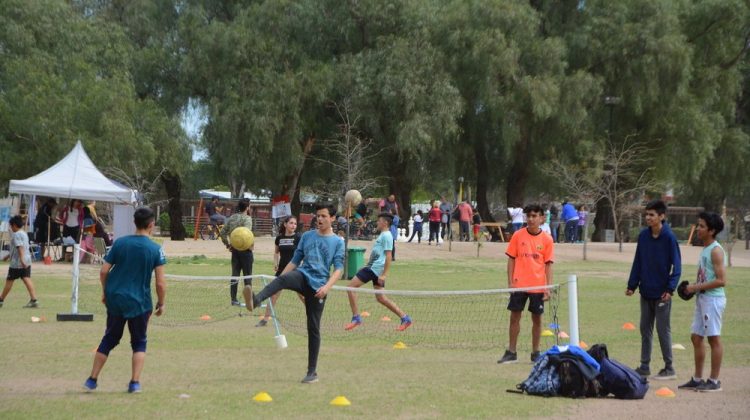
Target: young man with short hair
(656,270)
(20,262)
(242,261)
(317,251)
(376,271)
(126,284)
(710,302)
(530,257)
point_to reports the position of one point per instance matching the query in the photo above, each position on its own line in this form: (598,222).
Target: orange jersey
(531,254)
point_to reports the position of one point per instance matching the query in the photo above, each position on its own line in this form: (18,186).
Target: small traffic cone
(399,345)
(341,401)
(665,392)
(262,397)
(628,326)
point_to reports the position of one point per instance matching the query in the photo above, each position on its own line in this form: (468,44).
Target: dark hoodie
(657,264)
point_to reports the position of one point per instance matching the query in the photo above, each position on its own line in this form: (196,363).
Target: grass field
(221,365)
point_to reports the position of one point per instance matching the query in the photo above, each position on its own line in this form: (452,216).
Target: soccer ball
(241,238)
(353,197)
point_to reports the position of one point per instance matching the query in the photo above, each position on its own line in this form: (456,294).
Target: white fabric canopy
(75,176)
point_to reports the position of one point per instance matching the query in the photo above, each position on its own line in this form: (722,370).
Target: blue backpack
(543,379)
(619,380)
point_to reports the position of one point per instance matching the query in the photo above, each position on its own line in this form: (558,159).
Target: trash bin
(355,259)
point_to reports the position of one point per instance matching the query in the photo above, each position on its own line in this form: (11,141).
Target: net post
(573,308)
(76,274)
(279,337)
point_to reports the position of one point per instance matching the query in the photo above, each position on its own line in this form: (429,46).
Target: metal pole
(573,309)
(76,274)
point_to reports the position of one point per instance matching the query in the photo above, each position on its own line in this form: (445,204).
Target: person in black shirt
(286,243)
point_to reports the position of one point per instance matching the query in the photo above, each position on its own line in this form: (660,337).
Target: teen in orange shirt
(530,254)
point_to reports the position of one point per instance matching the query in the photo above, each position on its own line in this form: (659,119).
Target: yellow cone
(340,401)
(364,314)
(665,392)
(548,333)
(262,397)
(399,345)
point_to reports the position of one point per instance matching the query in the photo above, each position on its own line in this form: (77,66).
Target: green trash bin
(355,259)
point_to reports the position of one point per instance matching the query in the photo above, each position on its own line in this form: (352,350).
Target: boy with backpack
(710,302)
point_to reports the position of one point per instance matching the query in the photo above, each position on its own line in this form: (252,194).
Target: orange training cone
(628,326)
(563,334)
(582,344)
(205,317)
(364,314)
(665,392)
(385,318)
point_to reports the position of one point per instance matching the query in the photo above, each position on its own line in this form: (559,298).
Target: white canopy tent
(75,176)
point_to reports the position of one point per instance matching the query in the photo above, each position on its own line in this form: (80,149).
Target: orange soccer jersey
(532,253)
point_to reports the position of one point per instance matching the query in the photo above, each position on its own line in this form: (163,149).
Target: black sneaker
(508,357)
(534,356)
(32,304)
(1,303)
(709,386)
(310,378)
(644,372)
(262,323)
(692,384)
(665,374)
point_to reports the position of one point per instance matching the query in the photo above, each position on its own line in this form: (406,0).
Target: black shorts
(18,273)
(518,300)
(366,275)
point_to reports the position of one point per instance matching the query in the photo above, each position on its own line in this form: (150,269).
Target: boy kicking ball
(710,302)
(376,271)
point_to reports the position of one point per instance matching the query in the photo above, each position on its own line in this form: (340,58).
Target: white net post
(573,308)
(76,276)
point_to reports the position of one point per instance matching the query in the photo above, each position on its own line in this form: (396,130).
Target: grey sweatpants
(659,311)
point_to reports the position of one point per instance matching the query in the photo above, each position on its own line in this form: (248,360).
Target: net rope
(441,319)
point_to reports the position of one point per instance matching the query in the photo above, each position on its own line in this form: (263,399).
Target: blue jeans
(571,229)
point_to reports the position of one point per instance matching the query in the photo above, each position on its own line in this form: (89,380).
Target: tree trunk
(291,180)
(480,155)
(602,221)
(173,187)
(520,170)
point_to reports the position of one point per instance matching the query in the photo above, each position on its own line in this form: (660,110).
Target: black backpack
(574,383)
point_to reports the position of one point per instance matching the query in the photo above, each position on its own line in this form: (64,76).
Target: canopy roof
(75,176)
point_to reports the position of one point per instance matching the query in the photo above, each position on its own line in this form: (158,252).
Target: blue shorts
(366,275)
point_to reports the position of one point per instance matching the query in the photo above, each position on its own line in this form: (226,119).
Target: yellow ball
(241,238)
(353,197)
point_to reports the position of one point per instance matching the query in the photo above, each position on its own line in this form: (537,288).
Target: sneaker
(508,357)
(692,384)
(405,323)
(235,303)
(32,304)
(89,385)
(310,378)
(134,387)
(262,323)
(1,303)
(535,355)
(709,386)
(644,372)
(247,292)
(665,375)
(356,322)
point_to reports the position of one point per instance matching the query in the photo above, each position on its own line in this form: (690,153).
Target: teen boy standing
(710,302)
(530,257)
(126,284)
(655,272)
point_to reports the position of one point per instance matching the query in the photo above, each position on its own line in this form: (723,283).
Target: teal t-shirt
(128,287)
(377,255)
(706,273)
(318,253)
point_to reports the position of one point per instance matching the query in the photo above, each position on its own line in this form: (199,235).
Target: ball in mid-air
(353,197)
(241,238)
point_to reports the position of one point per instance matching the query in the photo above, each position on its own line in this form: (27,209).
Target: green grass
(221,365)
